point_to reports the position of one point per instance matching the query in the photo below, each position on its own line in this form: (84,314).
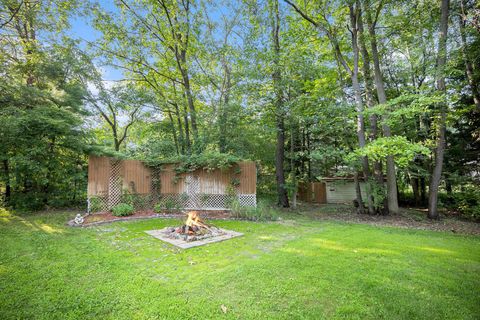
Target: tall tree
(120,107)
(353,72)
(442,129)
(392,196)
(462,19)
(279,105)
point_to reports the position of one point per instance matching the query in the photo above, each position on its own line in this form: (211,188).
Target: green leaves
(403,150)
(209,160)
(407,105)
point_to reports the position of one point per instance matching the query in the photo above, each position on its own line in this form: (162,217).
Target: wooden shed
(341,190)
(111,181)
(329,190)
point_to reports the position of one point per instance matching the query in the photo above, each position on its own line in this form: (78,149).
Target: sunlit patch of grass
(305,269)
(3,269)
(435,250)
(49,229)
(375,251)
(5,215)
(329,244)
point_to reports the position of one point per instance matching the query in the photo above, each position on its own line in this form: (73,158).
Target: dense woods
(380,90)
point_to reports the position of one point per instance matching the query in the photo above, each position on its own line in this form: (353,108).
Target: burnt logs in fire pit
(194,229)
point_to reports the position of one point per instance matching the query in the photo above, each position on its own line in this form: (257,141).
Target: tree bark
(367,78)
(116,144)
(358,192)
(359,104)
(436,176)
(414,182)
(392,196)
(191,105)
(224,109)
(181,139)
(187,129)
(8,188)
(279,109)
(468,64)
(174,132)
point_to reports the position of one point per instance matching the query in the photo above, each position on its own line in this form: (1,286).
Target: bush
(96,204)
(262,212)
(166,204)
(122,210)
(468,202)
(158,208)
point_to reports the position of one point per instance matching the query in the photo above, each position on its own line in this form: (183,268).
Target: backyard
(295,268)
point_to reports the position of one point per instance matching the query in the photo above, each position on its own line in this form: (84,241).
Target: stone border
(72,223)
(160,234)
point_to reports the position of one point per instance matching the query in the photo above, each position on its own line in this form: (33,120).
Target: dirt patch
(407,218)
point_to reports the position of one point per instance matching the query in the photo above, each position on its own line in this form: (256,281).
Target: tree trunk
(46,186)
(392,197)
(174,132)
(309,160)
(279,110)
(293,166)
(359,105)
(415,187)
(182,65)
(436,176)
(358,192)
(279,163)
(181,139)
(468,64)
(187,129)
(222,143)
(116,143)
(8,188)
(367,77)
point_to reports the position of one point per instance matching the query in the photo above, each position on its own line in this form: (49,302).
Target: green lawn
(299,269)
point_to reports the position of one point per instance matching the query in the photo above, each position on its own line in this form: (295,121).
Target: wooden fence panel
(313,192)
(98,175)
(108,179)
(136,177)
(320,192)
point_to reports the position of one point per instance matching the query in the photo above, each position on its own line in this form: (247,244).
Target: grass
(290,269)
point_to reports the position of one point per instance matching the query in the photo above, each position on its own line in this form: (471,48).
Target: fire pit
(194,232)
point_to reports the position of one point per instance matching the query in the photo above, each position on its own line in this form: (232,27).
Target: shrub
(95,204)
(138,201)
(167,204)
(158,208)
(122,210)
(468,202)
(262,212)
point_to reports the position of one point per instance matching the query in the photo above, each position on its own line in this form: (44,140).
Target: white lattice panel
(173,201)
(247,200)
(114,184)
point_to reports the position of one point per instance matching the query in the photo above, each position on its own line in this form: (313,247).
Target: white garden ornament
(79,219)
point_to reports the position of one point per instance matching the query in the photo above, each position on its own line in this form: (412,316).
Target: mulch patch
(408,220)
(106,217)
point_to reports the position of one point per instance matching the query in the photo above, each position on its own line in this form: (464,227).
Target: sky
(82,29)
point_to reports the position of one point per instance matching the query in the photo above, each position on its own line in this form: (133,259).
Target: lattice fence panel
(247,200)
(97,204)
(173,201)
(114,183)
(138,201)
